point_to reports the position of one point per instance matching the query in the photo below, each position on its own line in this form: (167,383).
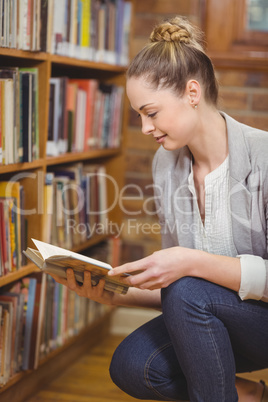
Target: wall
(244,95)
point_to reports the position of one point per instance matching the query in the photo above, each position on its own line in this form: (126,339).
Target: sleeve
(253,281)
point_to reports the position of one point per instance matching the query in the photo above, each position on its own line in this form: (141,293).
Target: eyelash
(149,115)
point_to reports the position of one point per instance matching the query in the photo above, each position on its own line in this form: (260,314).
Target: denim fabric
(192,351)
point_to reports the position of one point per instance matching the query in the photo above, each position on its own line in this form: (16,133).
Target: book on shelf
(83,114)
(6,332)
(12,226)
(19,120)
(38,315)
(75,204)
(29,322)
(95,30)
(55,260)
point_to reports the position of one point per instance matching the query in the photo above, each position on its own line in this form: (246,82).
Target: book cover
(89,86)
(29,324)
(33,115)
(50,23)
(4,367)
(7,307)
(54,118)
(48,206)
(43,25)
(14,298)
(11,189)
(9,120)
(38,316)
(6,254)
(15,292)
(63,119)
(71,110)
(25,110)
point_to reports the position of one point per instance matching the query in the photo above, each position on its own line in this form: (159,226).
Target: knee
(117,366)
(126,371)
(185,294)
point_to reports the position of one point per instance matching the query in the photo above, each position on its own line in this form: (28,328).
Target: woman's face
(170,119)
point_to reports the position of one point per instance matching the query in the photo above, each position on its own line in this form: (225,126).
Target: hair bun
(179,30)
(170,33)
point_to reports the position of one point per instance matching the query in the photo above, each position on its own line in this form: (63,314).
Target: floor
(88,379)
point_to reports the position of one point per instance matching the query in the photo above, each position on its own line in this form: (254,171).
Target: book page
(48,250)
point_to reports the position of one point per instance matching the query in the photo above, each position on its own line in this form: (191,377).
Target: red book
(90,87)
(71,108)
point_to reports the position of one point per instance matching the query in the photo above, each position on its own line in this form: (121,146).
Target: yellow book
(85,28)
(11,189)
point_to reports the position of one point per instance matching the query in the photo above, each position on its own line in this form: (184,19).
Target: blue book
(29,323)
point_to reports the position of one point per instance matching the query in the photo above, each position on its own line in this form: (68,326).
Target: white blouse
(215,234)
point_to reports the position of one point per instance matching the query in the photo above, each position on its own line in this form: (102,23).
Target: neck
(209,146)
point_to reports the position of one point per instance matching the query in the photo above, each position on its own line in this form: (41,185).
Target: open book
(56,260)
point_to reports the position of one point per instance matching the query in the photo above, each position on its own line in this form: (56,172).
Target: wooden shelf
(79,156)
(23,54)
(70,61)
(61,159)
(14,276)
(16,167)
(64,60)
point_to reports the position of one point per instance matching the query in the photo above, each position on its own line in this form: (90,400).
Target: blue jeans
(193,350)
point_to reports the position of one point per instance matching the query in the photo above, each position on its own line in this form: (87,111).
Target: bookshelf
(32,176)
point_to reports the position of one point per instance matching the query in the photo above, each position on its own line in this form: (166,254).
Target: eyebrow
(143,106)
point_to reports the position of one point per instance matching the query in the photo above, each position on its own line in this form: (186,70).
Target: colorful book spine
(29,324)
(91,112)
(95,30)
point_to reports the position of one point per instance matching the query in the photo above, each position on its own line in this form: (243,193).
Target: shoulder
(248,148)
(254,140)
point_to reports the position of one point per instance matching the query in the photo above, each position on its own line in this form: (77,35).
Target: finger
(58,279)
(130,267)
(87,280)
(71,281)
(92,290)
(149,286)
(99,288)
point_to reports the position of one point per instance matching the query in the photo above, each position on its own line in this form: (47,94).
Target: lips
(159,139)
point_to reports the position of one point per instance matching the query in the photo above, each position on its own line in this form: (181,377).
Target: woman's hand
(96,293)
(158,270)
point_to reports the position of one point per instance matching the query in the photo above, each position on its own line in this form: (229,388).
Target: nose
(147,126)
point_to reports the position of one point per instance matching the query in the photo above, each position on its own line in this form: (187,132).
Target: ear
(193,92)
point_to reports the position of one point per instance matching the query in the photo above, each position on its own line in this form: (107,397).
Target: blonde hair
(174,55)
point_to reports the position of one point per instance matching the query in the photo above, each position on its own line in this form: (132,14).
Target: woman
(210,280)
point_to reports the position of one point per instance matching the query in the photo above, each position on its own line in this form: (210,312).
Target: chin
(170,147)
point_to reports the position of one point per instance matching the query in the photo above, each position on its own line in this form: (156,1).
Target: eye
(152,114)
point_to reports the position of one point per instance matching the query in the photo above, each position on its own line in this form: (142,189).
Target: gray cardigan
(248,166)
